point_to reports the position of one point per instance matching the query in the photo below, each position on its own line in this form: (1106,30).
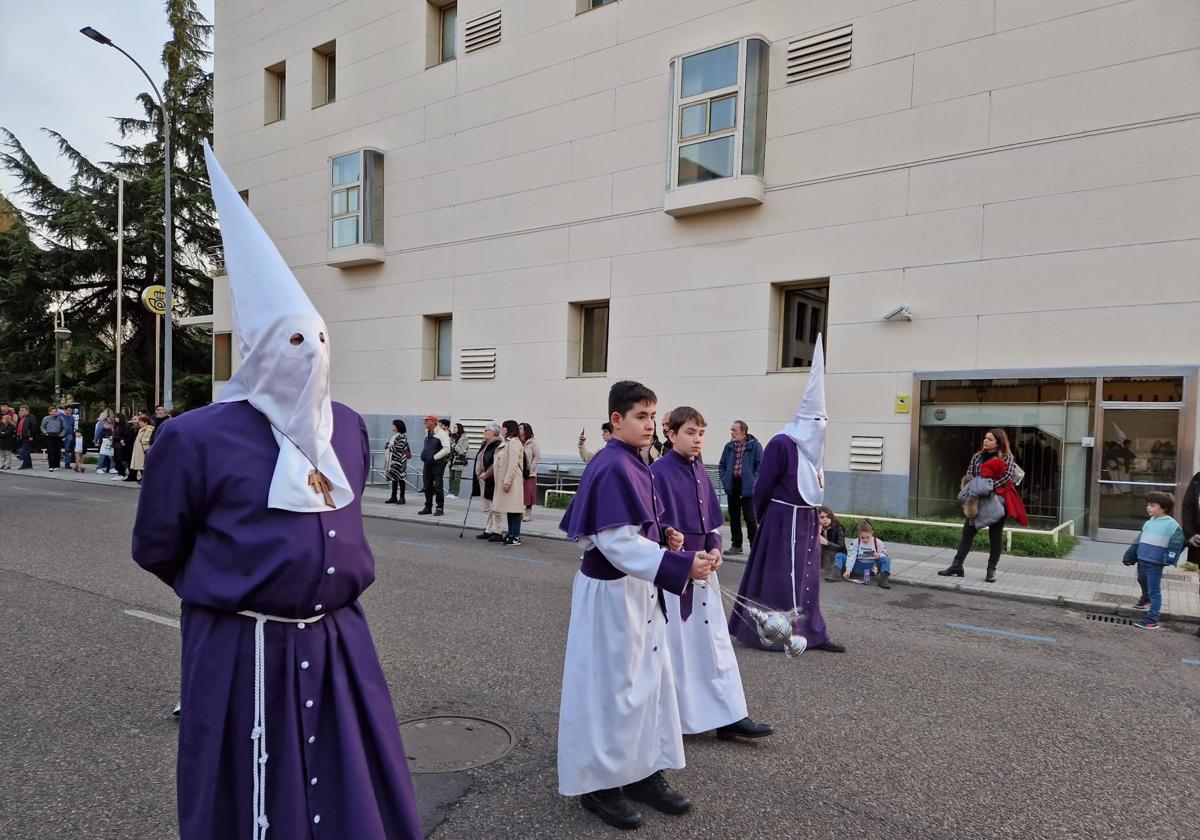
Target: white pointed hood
(288,382)
(807,429)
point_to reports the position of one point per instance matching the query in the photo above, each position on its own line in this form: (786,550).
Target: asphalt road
(922,730)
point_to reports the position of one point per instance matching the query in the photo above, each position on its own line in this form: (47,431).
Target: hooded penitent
(284,346)
(807,429)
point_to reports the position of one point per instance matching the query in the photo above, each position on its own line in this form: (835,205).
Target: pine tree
(74,227)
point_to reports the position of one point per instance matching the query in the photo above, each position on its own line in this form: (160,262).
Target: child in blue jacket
(1159,544)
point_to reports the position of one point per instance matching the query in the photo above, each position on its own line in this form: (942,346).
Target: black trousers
(995,536)
(741,506)
(54,451)
(398,487)
(432,483)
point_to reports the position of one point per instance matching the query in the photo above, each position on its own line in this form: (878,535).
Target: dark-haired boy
(618,725)
(1159,544)
(708,683)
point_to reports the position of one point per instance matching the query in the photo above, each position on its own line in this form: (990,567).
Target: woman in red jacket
(996,456)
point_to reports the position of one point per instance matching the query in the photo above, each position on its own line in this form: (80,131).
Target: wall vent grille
(477,363)
(816,55)
(474,430)
(483,31)
(866,453)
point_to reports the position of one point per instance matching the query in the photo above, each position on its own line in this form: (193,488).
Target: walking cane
(470,499)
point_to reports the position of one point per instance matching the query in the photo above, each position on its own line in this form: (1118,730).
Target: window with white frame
(719,113)
(356,199)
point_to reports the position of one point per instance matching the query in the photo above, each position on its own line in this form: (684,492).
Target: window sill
(323,104)
(355,255)
(276,120)
(721,194)
(789,370)
(600,375)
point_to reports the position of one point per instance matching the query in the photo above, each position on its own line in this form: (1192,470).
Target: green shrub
(1026,545)
(559,499)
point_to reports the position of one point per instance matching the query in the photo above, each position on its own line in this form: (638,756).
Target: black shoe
(655,792)
(883,580)
(734,551)
(990,577)
(390,501)
(829,647)
(744,728)
(483,536)
(507,540)
(955,569)
(514,541)
(439,512)
(495,538)
(612,807)
(424,512)
(24,468)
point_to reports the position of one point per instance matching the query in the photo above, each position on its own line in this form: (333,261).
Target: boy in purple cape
(618,725)
(708,683)
(253,516)
(783,570)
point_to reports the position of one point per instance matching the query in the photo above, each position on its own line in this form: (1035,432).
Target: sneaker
(507,540)
(1142,605)
(515,541)
(54,469)
(1146,624)
(99,470)
(451,496)
(733,551)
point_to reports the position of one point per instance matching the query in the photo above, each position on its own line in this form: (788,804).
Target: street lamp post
(168,241)
(61,334)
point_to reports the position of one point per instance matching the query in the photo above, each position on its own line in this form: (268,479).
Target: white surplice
(619,719)
(708,684)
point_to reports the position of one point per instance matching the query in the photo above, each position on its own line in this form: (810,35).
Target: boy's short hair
(606,427)
(624,395)
(1166,501)
(680,417)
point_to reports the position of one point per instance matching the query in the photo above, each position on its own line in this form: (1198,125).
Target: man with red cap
(434,452)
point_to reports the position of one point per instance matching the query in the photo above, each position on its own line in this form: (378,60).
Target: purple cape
(617,489)
(690,506)
(768,578)
(333,745)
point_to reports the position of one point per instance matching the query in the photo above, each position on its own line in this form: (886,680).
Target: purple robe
(690,506)
(778,573)
(204,528)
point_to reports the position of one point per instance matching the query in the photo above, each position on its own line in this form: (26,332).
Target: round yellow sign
(154,298)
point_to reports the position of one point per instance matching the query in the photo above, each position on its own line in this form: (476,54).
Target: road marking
(416,544)
(1191,662)
(991,631)
(523,559)
(157,619)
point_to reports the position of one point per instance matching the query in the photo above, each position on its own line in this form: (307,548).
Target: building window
(719,113)
(275,92)
(582,6)
(222,356)
(441,25)
(324,75)
(244,195)
(593,338)
(803,311)
(444,348)
(356,199)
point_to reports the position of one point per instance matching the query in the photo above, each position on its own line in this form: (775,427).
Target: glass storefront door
(1138,453)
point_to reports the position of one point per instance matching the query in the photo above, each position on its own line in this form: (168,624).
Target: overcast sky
(53,77)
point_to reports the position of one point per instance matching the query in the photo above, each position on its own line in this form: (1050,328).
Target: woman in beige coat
(508,467)
(137,462)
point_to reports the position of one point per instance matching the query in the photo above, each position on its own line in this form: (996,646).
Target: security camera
(899,312)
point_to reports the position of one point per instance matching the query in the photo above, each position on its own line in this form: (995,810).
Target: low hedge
(1024,545)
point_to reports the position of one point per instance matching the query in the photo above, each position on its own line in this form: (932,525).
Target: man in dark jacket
(739,467)
(53,429)
(68,438)
(434,452)
(26,428)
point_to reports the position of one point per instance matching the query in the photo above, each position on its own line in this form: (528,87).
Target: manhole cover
(453,742)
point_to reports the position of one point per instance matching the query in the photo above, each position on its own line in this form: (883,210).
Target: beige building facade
(989,208)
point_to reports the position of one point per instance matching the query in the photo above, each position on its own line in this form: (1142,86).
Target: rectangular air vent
(866,453)
(482,32)
(474,430)
(477,363)
(819,54)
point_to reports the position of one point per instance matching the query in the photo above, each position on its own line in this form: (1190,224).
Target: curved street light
(168,239)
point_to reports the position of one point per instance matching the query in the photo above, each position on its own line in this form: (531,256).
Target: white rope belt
(795,510)
(259,733)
